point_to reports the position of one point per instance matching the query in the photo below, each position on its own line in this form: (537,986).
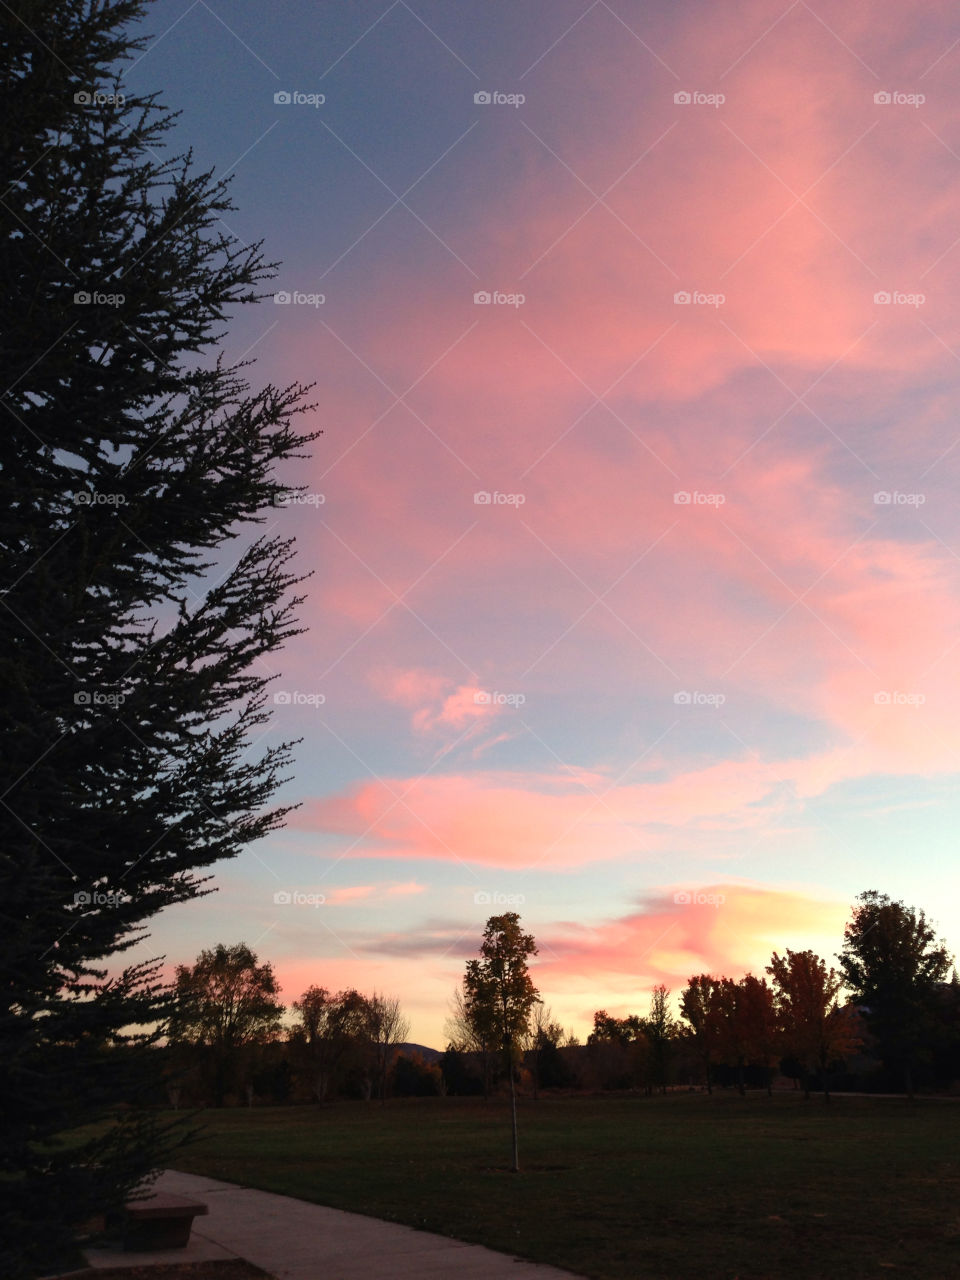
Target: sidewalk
(294,1240)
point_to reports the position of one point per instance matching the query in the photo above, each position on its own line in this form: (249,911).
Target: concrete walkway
(294,1240)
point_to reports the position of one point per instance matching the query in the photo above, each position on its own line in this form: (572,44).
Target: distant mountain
(428,1055)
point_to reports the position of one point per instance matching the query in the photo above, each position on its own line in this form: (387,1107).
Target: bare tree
(544,1035)
(387,1028)
(466,1032)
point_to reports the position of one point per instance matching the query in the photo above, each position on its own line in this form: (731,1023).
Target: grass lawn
(630,1187)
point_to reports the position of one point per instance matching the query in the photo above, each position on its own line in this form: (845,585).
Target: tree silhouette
(130,621)
(500,992)
(225,1003)
(893,965)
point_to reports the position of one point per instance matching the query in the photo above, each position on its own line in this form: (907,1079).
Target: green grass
(629,1187)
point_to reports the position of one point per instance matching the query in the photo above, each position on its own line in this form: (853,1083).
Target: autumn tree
(816,1029)
(498,990)
(621,1030)
(225,1003)
(894,967)
(733,1043)
(329,1027)
(758,1018)
(698,1007)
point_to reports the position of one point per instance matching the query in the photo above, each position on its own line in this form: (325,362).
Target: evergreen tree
(129,627)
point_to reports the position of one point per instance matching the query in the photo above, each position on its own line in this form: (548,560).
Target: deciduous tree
(329,1027)
(387,1028)
(498,989)
(225,1003)
(698,1005)
(816,1029)
(894,966)
(660,1028)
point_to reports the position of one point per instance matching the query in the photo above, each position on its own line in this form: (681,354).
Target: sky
(632,529)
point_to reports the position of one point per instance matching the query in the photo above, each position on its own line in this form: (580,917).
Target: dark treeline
(226,1042)
(887,1020)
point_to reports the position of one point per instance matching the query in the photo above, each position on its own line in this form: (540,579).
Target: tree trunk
(513,1108)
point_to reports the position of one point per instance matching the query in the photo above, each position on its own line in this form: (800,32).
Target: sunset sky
(686,683)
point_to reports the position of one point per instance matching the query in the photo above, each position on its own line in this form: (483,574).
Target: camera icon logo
(482,898)
(683,698)
(682,898)
(81,299)
(282,698)
(482,98)
(82,699)
(882,98)
(82,898)
(282,97)
(681,498)
(83,99)
(282,298)
(482,298)
(882,499)
(683,98)
(482,499)
(282,898)
(882,298)
(681,298)
(482,698)
(882,699)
